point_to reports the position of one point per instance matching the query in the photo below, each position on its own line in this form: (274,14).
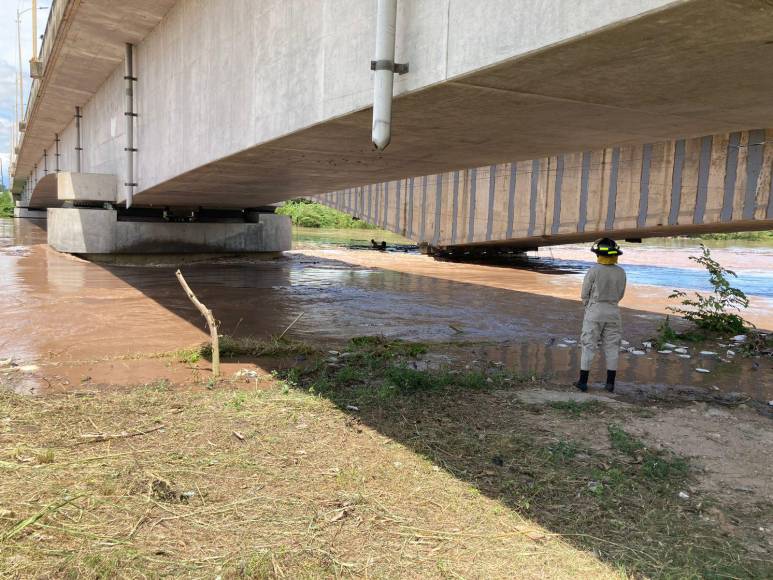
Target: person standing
(602,290)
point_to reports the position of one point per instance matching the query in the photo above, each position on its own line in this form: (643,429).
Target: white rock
(680,350)
(562,345)
(684,495)
(569,341)
(646,344)
(352,408)
(666,351)
(739,338)
(770,403)
(333,352)
(669,345)
(638,352)
(28,368)
(700,370)
(683,356)
(708,353)
(625,343)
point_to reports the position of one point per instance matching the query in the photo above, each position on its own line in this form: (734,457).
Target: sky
(9,65)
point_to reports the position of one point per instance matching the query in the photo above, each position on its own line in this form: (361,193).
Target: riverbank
(448,443)
(381,458)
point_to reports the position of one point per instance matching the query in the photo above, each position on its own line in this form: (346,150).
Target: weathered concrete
(715,183)
(99,231)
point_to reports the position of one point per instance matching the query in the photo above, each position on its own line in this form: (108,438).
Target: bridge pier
(98,231)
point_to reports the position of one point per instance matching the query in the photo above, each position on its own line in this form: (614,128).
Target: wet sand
(65,314)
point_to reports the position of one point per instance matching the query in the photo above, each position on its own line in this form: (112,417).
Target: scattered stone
(638,352)
(646,344)
(708,353)
(569,341)
(684,495)
(684,356)
(333,352)
(625,343)
(730,353)
(665,351)
(562,345)
(739,338)
(770,403)
(346,355)
(352,408)
(246,374)
(700,370)
(669,345)
(680,350)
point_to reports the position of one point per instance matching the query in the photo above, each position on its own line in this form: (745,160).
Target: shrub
(309,214)
(6,204)
(713,312)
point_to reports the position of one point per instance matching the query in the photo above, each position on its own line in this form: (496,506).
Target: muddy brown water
(57,309)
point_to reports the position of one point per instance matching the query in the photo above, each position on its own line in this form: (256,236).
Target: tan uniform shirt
(602,288)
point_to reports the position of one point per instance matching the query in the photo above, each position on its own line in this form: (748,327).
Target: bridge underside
(695,68)
(709,184)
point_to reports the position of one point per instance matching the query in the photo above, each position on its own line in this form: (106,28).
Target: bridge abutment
(97,231)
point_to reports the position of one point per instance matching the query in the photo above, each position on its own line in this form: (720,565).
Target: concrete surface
(239,107)
(26,213)
(98,231)
(708,184)
(86,187)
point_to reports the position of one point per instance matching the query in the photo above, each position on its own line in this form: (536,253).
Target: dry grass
(361,465)
(92,488)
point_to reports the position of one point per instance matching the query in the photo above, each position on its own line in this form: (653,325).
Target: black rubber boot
(582,384)
(610,386)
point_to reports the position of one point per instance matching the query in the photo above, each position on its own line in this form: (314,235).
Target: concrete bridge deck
(240,104)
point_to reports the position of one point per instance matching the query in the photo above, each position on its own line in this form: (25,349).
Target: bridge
(176,123)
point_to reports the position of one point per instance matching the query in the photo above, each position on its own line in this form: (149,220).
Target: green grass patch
(6,204)
(577,408)
(231,347)
(309,214)
(765,235)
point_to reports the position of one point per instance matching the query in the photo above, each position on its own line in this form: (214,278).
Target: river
(57,309)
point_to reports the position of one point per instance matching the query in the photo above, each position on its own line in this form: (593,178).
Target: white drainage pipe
(385,68)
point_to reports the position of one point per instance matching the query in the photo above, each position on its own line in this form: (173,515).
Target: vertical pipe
(78,147)
(384,76)
(56,141)
(129,113)
(45,162)
(34,29)
(21,76)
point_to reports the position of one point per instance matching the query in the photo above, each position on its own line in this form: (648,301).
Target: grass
(439,472)
(6,204)
(310,214)
(231,347)
(765,235)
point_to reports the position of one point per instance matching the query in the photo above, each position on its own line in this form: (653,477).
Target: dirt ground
(380,459)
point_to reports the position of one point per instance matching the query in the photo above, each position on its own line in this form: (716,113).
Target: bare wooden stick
(281,336)
(207,314)
(98,437)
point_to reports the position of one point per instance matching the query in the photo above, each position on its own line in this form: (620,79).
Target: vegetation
(6,204)
(309,214)
(372,460)
(765,235)
(713,312)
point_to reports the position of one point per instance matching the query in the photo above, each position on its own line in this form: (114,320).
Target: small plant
(713,312)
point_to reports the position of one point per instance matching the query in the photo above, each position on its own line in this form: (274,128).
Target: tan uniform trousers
(601,325)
